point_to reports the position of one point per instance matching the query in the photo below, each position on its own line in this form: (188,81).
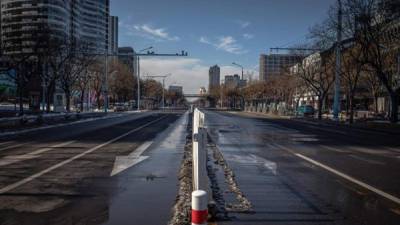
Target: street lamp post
(163,91)
(138,75)
(240,84)
(106,83)
(239,66)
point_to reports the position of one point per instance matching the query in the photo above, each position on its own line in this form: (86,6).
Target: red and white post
(199,207)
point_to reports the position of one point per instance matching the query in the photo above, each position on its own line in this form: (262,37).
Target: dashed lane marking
(58,165)
(344,176)
(11,159)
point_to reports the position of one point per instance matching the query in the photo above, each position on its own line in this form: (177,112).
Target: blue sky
(213,32)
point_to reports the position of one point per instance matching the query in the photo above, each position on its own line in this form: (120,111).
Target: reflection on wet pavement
(282,188)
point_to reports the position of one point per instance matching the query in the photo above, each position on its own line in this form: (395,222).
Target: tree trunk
(98,101)
(351,108)
(320,102)
(68,100)
(394,114)
(82,97)
(375,103)
(21,100)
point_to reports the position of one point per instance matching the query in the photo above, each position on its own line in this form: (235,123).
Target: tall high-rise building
(21,21)
(232,81)
(94,20)
(113,35)
(213,77)
(24,22)
(276,64)
(127,57)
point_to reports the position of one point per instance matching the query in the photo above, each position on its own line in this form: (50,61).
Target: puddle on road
(253,160)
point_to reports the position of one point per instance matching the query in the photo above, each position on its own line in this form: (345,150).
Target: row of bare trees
(46,59)
(370,58)
(48,62)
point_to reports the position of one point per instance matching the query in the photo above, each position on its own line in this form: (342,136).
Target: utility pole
(221,93)
(137,55)
(151,53)
(106,83)
(163,83)
(336,103)
(239,66)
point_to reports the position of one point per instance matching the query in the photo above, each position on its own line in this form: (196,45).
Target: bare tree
(97,79)
(78,60)
(22,61)
(122,82)
(374,86)
(377,36)
(316,71)
(352,69)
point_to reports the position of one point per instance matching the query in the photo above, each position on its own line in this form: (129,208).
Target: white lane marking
(334,149)
(7,142)
(372,151)
(12,146)
(11,159)
(345,176)
(393,149)
(58,165)
(370,161)
(124,162)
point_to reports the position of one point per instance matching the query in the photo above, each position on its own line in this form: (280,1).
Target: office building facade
(23,21)
(214,74)
(276,64)
(126,56)
(232,81)
(95,16)
(113,35)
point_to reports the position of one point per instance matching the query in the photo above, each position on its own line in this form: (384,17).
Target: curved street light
(236,64)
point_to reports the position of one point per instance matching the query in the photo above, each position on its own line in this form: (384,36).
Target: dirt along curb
(181,212)
(218,206)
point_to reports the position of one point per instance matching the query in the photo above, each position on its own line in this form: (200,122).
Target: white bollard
(199,207)
(200,160)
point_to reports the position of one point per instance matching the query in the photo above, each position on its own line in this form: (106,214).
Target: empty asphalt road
(302,173)
(108,171)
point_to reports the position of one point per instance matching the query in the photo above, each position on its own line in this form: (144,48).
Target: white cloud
(225,43)
(204,40)
(248,36)
(191,73)
(243,24)
(148,31)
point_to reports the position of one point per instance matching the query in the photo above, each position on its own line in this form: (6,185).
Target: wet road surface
(63,175)
(298,173)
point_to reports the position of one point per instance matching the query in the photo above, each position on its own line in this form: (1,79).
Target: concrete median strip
(58,165)
(344,176)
